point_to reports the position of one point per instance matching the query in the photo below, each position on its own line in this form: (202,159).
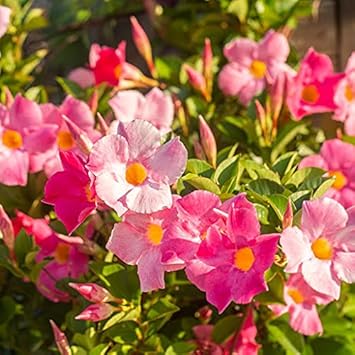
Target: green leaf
(239,8)
(23,245)
(323,188)
(7,309)
(265,187)
(331,346)
(286,163)
(275,294)
(180,348)
(225,327)
(199,167)
(100,349)
(262,212)
(306,177)
(226,169)
(70,87)
(257,170)
(123,333)
(201,183)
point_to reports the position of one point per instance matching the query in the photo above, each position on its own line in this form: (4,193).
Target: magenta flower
(156,107)
(312,89)
(25,139)
(338,159)
(231,260)
(71,192)
(301,301)
(5,13)
(345,98)
(323,248)
(252,65)
(132,170)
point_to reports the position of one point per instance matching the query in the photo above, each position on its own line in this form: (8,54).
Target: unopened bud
(96,312)
(288,216)
(208,141)
(197,81)
(92,292)
(60,340)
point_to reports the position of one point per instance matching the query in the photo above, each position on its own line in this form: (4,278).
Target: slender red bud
(288,216)
(208,141)
(60,340)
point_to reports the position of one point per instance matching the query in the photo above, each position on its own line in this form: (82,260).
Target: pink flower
(312,89)
(156,107)
(204,341)
(25,139)
(96,312)
(345,98)
(92,292)
(82,76)
(323,248)
(71,192)
(301,301)
(107,63)
(67,259)
(252,64)
(133,170)
(231,260)
(338,159)
(5,13)
(144,240)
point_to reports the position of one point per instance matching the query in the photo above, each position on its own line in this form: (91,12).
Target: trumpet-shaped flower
(338,159)
(25,137)
(312,89)
(301,301)
(252,65)
(231,260)
(132,169)
(71,192)
(345,98)
(323,248)
(156,107)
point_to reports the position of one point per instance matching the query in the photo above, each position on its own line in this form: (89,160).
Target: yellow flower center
(61,254)
(244,259)
(310,94)
(117,71)
(12,139)
(258,69)
(340,179)
(322,249)
(349,93)
(136,174)
(296,295)
(155,233)
(65,140)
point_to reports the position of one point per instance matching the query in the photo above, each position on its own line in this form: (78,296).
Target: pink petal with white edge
(344,266)
(127,104)
(127,243)
(158,109)
(148,198)
(150,270)
(296,246)
(168,162)
(241,51)
(322,217)
(304,319)
(142,138)
(318,274)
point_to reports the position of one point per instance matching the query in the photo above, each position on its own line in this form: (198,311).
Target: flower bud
(198,150)
(207,59)
(288,216)
(60,340)
(93,102)
(142,43)
(197,81)
(92,292)
(277,92)
(208,142)
(96,312)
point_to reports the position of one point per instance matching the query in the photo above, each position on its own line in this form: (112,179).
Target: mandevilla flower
(96,312)
(251,64)
(338,159)
(71,192)
(92,292)
(344,98)
(155,107)
(232,258)
(312,89)
(301,301)
(133,170)
(323,248)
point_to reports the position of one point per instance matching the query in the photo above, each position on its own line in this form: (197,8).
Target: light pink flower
(345,98)
(133,170)
(5,13)
(251,64)
(25,139)
(71,192)
(301,301)
(338,159)
(323,248)
(96,312)
(156,107)
(312,89)
(231,260)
